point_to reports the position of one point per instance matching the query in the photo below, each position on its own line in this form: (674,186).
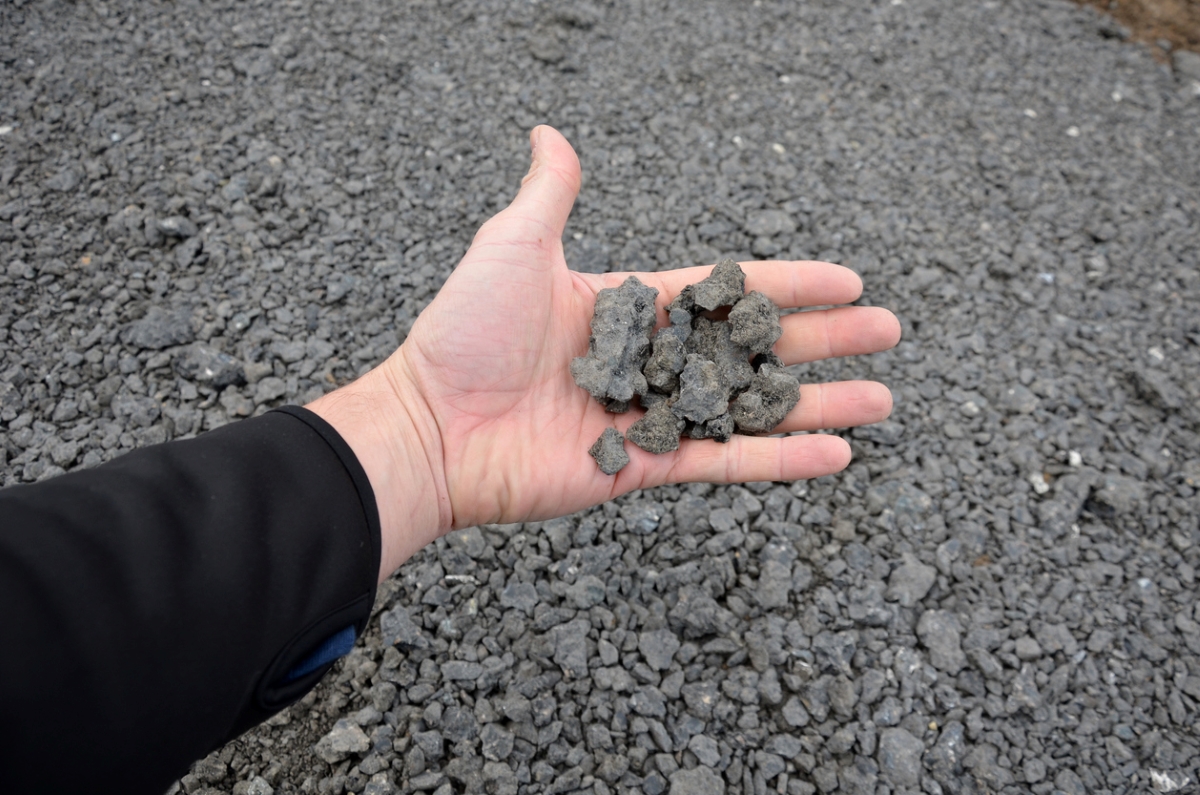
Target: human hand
(476,418)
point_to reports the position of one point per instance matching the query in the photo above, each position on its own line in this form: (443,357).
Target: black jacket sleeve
(158,605)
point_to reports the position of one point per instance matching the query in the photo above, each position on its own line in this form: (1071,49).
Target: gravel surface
(207,210)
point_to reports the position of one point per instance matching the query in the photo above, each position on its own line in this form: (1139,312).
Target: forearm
(382,418)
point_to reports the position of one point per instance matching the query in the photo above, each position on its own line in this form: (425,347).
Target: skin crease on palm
(476,418)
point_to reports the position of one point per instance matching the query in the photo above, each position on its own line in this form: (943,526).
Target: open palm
(488,361)
(476,418)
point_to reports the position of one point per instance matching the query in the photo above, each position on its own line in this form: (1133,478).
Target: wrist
(383,419)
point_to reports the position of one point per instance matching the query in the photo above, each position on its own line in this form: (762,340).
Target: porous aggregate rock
(711,340)
(754,323)
(345,739)
(694,369)
(725,286)
(697,781)
(609,451)
(771,395)
(619,345)
(702,395)
(668,358)
(657,431)
(159,329)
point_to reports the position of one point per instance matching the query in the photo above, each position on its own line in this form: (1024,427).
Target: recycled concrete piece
(668,358)
(725,286)
(688,374)
(658,431)
(712,341)
(609,451)
(702,395)
(619,346)
(772,394)
(720,428)
(754,323)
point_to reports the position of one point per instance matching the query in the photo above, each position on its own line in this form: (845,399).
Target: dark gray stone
(176,226)
(910,581)
(619,345)
(570,648)
(453,670)
(609,452)
(754,323)
(711,341)
(725,286)
(697,781)
(345,739)
(706,750)
(702,394)
(668,358)
(658,648)
(398,629)
(586,592)
(657,431)
(772,394)
(521,595)
(206,365)
(941,633)
(159,329)
(899,757)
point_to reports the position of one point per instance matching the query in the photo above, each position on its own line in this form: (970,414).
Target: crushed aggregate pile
(721,380)
(210,209)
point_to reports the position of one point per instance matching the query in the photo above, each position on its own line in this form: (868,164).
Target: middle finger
(844,331)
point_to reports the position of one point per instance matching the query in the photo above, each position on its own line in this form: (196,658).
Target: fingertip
(883,329)
(838,452)
(895,330)
(855,282)
(819,454)
(880,402)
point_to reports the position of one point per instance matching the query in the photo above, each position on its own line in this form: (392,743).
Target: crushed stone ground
(998,595)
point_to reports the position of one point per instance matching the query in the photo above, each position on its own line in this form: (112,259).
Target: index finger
(789,284)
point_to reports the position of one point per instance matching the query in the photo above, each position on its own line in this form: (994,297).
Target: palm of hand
(490,360)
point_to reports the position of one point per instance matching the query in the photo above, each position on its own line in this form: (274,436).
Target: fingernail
(534,137)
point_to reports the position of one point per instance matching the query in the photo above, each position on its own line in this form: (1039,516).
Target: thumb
(539,212)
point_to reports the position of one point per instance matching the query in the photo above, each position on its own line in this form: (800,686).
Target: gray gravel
(207,210)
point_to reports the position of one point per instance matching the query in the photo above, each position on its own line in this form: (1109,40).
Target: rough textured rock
(159,329)
(697,781)
(711,340)
(941,633)
(900,757)
(619,345)
(725,286)
(772,394)
(720,428)
(657,431)
(754,323)
(609,451)
(702,395)
(910,581)
(345,739)
(206,365)
(668,358)
(694,366)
